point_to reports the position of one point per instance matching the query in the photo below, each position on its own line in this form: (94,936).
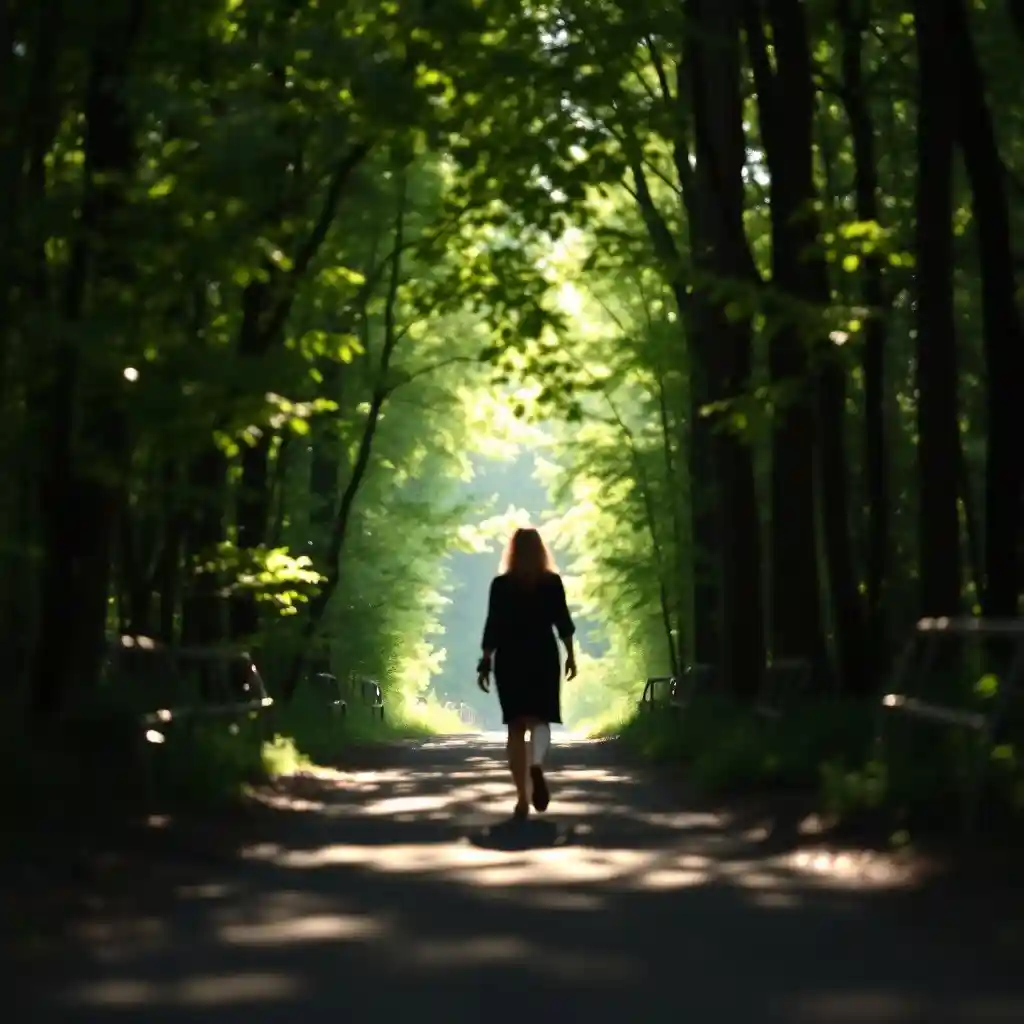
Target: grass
(320,737)
(609,722)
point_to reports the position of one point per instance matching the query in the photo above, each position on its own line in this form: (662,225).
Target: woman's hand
(483,674)
(570,667)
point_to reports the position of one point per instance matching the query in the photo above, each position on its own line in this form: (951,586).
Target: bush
(322,737)
(917,778)
(925,784)
(728,748)
(98,763)
(611,721)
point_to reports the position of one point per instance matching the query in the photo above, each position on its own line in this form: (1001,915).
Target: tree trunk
(847,609)
(1016,9)
(938,433)
(662,566)
(705,528)
(203,608)
(325,466)
(786,106)
(80,504)
(786,102)
(339,533)
(706,532)
(169,579)
(876,466)
(973,545)
(721,250)
(136,581)
(683,645)
(1002,332)
(253,498)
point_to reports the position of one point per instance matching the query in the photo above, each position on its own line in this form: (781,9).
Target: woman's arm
(570,657)
(565,627)
(489,643)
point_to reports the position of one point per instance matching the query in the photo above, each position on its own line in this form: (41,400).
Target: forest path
(398,891)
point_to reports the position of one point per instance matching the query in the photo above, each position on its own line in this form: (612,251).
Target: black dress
(522,619)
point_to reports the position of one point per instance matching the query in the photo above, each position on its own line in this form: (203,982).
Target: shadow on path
(400,889)
(512,835)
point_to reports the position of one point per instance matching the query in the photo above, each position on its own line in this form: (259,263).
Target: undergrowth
(99,763)
(908,775)
(609,722)
(321,736)
(729,748)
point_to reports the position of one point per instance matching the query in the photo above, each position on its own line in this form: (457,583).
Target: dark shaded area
(402,890)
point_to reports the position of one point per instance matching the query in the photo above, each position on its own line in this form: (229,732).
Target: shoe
(541,796)
(521,811)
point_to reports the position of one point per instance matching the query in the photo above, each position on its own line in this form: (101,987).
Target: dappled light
(621,896)
(478,791)
(304,926)
(207,992)
(391,390)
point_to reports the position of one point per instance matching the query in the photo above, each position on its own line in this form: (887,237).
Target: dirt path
(395,892)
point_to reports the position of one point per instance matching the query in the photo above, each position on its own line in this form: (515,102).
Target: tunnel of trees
(277,276)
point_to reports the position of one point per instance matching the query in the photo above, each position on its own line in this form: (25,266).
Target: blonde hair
(527,556)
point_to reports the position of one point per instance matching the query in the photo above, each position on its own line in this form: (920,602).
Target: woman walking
(525,609)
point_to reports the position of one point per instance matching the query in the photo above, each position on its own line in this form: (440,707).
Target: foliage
(726,746)
(742,275)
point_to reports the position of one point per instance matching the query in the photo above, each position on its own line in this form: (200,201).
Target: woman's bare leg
(540,742)
(518,762)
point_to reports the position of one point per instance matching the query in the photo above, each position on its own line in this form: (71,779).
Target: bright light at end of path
(131,374)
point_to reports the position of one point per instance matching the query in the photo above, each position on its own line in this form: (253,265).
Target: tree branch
(423,371)
(311,246)
(318,605)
